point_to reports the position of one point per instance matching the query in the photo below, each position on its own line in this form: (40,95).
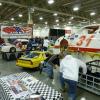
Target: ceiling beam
(4,10)
(13,3)
(12,13)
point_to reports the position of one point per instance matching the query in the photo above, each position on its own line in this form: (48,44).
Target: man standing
(69,69)
(46,43)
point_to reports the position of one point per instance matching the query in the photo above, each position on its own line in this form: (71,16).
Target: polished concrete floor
(9,67)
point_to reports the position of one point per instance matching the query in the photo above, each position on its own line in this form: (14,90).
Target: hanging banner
(16,32)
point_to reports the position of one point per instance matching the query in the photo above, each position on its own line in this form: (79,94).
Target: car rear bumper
(25,65)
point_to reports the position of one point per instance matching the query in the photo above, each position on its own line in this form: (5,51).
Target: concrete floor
(9,67)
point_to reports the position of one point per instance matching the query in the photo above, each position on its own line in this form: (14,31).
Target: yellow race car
(32,59)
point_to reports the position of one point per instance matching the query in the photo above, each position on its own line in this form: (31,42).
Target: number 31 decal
(83,38)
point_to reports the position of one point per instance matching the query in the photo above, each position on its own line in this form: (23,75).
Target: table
(23,86)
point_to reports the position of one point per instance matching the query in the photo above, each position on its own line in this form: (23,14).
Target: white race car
(11,48)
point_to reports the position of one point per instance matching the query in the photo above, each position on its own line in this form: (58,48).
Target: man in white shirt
(69,69)
(46,43)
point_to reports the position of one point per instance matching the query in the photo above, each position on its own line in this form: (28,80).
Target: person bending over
(69,70)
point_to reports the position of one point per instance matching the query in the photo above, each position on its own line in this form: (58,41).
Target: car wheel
(4,56)
(12,56)
(12,49)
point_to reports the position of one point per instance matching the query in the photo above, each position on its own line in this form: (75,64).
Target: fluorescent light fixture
(83,98)
(57,20)
(92,13)
(71,18)
(46,23)
(33,9)
(57,24)
(0,4)
(41,18)
(20,15)
(75,8)
(12,19)
(55,14)
(94,22)
(69,22)
(50,1)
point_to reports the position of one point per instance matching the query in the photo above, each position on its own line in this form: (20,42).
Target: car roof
(23,40)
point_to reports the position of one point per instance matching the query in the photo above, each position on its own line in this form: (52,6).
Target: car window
(24,43)
(32,55)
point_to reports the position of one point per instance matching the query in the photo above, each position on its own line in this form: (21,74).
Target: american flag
(26,29)
(11,29)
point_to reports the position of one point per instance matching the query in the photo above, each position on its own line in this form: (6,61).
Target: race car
(32,59)
(1,42)
(87,39)
(16,46)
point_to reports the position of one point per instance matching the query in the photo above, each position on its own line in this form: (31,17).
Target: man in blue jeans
(69,70)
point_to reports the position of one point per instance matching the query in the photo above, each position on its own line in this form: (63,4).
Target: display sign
(16,32)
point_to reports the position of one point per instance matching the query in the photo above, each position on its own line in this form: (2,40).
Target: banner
(16,32)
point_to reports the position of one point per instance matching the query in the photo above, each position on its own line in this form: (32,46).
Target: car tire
(12,49)
(12,56)
(4,56)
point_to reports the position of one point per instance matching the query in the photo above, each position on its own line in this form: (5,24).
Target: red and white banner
(16,32)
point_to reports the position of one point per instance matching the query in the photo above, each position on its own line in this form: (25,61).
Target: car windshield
(32,55)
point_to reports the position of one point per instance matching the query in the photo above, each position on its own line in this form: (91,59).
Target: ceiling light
(50,1)
(55,14)
(0,4)
(75,8)
(71,18)
(20,15)
(12,19)
(92,13)
(41,18)
(94,22)
(33,9)
(57,20)
(69,22)
(57,24)
(46,23)
(83,98)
